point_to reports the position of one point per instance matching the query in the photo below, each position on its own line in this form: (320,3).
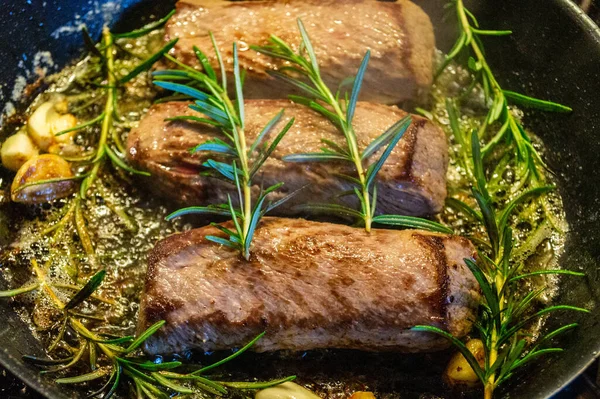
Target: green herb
(89,42)
(19,291)
(120,354)
(499,100)
(115,361)
(146,64)
(243,162)
(146,29)
(48,181)
(339,109)
(506,308)
(87,290)
(109,146)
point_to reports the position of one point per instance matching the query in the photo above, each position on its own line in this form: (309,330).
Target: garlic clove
(38,125)
(60,123)
(38,169)
(16,150)
(287,390)
(459,373)
(46,122)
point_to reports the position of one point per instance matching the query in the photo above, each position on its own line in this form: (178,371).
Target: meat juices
(309,285)
(399,35)
(411,182)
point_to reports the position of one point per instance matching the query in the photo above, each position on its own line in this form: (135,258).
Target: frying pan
(554,53)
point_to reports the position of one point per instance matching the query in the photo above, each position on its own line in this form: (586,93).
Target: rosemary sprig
(243,161)
(90,164)
(102,68)
(109,146)
(75,342)
(507,308)
(499,100)
(146,29)
(339,109)
(119,360)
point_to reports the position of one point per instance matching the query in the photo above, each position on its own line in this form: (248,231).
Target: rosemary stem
(81,229)
(365,193)
(467,28)
(107,119)
(462,15)
(58,227)
(500,281)
(488,392)
(247,216)
(247,190)
(490,384)
(110,93)
(44,285)
(350,136)
(242,149)
(76,324)
(91,336)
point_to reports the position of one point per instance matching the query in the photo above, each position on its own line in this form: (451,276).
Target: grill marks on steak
(399,35)
(412,181)
(309,285)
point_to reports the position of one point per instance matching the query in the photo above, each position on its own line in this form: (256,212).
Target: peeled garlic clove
(362,395)
(38,169)
(287,390)
(46,122)
(38,125)
(459,373)
(60,123)
(16,150)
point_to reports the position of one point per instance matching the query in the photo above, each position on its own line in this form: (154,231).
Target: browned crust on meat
(306,278)
(411,140)
(435,244)
(411,182)
(399,34)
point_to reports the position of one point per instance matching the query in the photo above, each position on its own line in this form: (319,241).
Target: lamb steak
(309,285)
(411,182)
(399,35)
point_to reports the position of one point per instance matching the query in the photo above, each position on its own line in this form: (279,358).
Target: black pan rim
(578,14)
(593,30)
(37,384)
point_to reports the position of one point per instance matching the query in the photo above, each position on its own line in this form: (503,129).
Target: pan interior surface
(553,53)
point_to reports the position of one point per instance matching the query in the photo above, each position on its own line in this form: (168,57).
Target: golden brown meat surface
(411,182)
(399,35)
(309,285)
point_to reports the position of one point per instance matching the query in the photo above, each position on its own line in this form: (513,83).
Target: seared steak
(309,285)
(412,182)
(399,34)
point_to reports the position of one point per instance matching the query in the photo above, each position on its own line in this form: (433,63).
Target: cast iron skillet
(554,53)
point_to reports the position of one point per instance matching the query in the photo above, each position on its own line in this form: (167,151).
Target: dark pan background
(554,53)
